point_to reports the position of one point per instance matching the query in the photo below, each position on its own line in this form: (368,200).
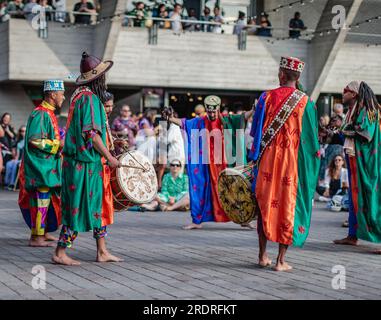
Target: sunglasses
(175,165)
(338,160)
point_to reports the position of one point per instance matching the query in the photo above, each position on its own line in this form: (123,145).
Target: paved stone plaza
(164,262)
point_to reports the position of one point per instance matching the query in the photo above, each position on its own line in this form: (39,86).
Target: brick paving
(164,262)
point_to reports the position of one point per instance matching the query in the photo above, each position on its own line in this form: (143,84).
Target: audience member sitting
(87,8)
(146,137)
(13,165)
(296,23)
(8,140)
(265,24)
(15,9)
(208,18)
(174,193)
(335,180)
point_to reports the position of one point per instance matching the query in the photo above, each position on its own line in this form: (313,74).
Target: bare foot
(377,251)
(282,267)
(264,261)
(65,260)
(192,226)
(347,241)
(250,225)
(48,237)
(40,242)
(107,257)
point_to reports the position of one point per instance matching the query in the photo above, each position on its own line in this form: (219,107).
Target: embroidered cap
(292,63)
(54,85)
(212,103)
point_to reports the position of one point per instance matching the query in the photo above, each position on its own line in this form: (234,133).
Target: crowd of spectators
(333,176)
(55,10)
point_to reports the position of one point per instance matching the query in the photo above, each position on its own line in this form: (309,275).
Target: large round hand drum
(234,190)
(135,182)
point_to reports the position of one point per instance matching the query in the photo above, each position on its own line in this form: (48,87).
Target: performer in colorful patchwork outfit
(362,147)
(40,171)
(212,143)
(86,194)
(285,149)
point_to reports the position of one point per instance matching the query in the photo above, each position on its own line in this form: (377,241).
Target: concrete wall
(4,51)
(14,100)
(198,60)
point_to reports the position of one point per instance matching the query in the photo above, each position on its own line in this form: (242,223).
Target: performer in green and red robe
(362,147)
(86,198)
(40,171)
(285,149)
(212,142)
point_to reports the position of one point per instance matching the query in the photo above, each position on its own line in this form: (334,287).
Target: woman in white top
(336,178)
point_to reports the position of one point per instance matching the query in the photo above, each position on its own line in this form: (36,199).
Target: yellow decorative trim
(43,143)
(47,105)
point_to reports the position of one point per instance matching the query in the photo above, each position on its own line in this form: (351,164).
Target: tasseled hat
(212,103)
(291,63)
(92,68)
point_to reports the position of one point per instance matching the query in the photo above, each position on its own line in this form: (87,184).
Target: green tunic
(173,188)
(41,159)
(234,139)
(82,184)
(368,164)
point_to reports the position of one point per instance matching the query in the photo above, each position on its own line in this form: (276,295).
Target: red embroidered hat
(291,63)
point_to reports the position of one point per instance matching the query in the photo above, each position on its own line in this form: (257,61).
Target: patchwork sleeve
(91,118)
(41,134)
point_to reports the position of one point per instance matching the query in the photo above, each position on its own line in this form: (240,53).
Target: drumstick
(132,167)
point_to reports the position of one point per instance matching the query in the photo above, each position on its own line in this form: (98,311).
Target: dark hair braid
(367,99)
(99,87)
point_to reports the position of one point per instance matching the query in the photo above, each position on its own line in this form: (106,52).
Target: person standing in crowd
(28,10)
(8,140)
(146,137)
(192,17)
(298,24)
(13,165)
(86,8)
(87,203)
(217,19)
(15,9)
(338,109)
(175,16)
(335,180)
(362,148)
(124,127)
(60,7)
(40,181)
(265,29)
(284,179)
(163,13)
(4,15)
(140,14)
(174,194)
(1,157)
(208,18)
(199,110)
(240,23)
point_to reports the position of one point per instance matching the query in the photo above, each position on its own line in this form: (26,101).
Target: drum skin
(234,190)
(132,185)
